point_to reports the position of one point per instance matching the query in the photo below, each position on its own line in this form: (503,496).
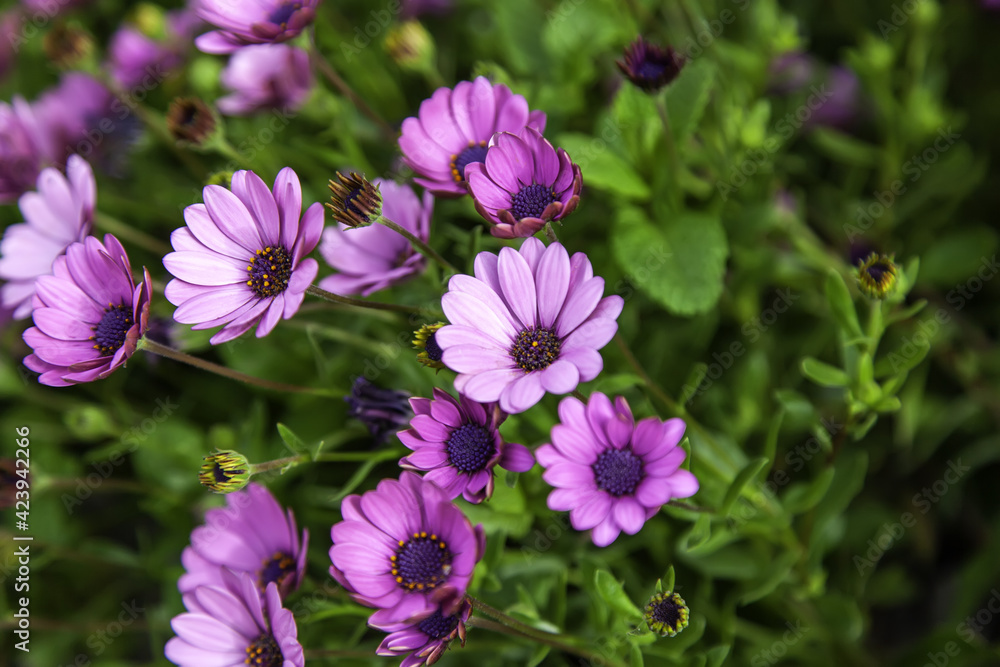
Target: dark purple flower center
(535,348)
(650,70)
(110,332)
(531,200)
(422,562)
(473,153)
(618,471)
(434,351)
(264,652)
(269,271)
(666,611)
(470,447)
(276,569)
(283,13)
(876,272)
(349,200)
(437,626)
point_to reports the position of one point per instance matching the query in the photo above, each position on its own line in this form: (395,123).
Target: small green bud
(425,341)
(666,614)
(225,471)
(877,275)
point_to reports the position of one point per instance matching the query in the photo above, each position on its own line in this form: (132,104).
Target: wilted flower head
(354,201)
(67,44)
(232,624)
(406,550)
(458,443)
(425,340)
(424,641)
(251,534)
(266,76)
(190,119)
(240,261)
(89,314)
(383,411)
(454,127)
(648,66)
(373,258)
(523,183)
(134,57)
(61,212)
(877,275)
(225,471)
(531,321)
(612,474)
(258,22)
(666,614)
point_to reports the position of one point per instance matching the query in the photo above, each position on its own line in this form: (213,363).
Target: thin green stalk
(550,233)
(126,232)
(361,303)
(339,457)
(183,357)
(419,245)
(500,622)
(673,162)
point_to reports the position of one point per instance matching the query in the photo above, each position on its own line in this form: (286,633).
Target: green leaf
(824,374)
(687,97)
(292,441)
(635,657)
(745,476)
(802,497)
(716,656)
(842,304)
(779,570)
(612,592)
(844,148)
(680,263)
(602,168)
(669,579)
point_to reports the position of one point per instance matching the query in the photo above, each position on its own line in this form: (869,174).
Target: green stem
(419,245)
(327,70)
(657,391)
(131,234)
(501,622)
(579,394)
(266,466)
(183,357)
(673,162)
(361,303)
(550,233)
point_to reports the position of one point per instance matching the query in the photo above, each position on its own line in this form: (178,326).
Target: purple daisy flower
(423,641)
(523,183)
(648,66)
(375,257)
(89,314)
(266,76)
(611,473)
(458,443)
(134,57)
(254,22)
(251,534)
(231,626)
(531,321)
(24,149)
(60,213)
(453,128)
(382,411)
(240,259)
(406,549)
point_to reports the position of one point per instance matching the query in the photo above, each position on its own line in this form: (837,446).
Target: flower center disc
(434,351)
(283,13)
(531,201)
(437,626)
(470,447)
(264,652)
(110,332)
(276,569)
(618,471)
(535,349)
(421,563)
(650,70)
(269,271)
(473,153)
(667,612)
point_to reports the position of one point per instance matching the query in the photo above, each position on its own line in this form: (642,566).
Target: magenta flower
(135,59)
(375,257)
(453,128)
(255,22)
(266,76)
(404,548)
(611,473)
(251,534)
(24,149)
(60,213)
(239,262)
(523,183)
(423,641)
(531,321)
(89,314)
(458,443)
(230,626)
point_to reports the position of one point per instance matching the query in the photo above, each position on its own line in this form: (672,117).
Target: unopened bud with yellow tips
(225,471)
